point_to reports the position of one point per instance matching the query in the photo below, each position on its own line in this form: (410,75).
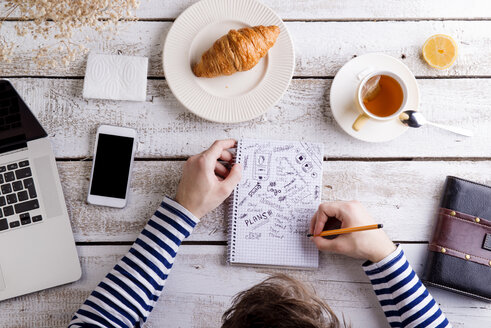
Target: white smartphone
(114,151)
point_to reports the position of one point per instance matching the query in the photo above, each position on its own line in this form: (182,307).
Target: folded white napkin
(116,77)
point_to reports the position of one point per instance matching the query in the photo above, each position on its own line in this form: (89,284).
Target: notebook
(273,204)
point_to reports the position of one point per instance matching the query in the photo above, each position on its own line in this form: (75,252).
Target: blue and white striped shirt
(405,300)
(129,292)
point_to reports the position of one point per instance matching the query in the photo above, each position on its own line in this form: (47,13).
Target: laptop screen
(17,123)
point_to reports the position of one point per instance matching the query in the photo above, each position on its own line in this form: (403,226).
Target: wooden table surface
(399,181)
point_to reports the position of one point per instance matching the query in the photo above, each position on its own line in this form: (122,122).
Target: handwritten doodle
(253,235)
(312,151)
(245,163)
(299,224)
(257,226)
(280,226)
(299,231)
(307,167)
(275,233)
(305,197)
(251,146)
(300,158)
(247,183)
(272,189)
(279,183)
(262,161)
(271,204)
(278,149)
(285,168)
(260,218)
(274,202)
(295,189)
(289,183)
(255,189)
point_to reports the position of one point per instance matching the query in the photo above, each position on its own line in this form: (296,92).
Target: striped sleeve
(129,292)
(404,299)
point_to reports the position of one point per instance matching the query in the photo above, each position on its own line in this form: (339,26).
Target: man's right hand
(373,245)
(205,182)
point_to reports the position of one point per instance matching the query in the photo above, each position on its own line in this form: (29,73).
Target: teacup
(381,96)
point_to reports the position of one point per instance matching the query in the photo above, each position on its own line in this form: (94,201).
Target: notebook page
(274,202)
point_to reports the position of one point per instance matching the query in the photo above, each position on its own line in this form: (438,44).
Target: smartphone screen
(112,166)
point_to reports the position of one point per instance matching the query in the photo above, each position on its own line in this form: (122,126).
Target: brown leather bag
(459,256)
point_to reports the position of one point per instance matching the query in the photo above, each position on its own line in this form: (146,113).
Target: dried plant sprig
(60,19)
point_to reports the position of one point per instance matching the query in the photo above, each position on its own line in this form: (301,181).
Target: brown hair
(279,302)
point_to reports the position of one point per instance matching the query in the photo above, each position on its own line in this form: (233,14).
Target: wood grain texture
(404,196)
(201,286)
(341,10)
(302,113)
(337,10)
(401,194)
(321,48)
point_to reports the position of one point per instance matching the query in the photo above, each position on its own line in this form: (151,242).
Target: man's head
(279,302)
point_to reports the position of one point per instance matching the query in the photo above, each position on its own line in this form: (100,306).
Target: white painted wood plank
(201,286)
(337,10)
(302,113)
(321,48)
(404,196)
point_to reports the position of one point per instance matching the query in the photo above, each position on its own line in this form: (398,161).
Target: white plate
(343,91)
(238,97)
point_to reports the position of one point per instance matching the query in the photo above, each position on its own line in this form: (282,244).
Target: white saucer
(238,97)
(343,91)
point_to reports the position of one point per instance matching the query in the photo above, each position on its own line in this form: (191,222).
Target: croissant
(237,51)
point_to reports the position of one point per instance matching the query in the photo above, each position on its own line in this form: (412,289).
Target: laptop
(37,249)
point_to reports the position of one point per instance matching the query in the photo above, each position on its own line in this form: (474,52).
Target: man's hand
(205,182)
(373,245)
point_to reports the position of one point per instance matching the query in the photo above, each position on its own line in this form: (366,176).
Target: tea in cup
(382,96)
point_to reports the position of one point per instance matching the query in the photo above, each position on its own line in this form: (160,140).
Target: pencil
(346,230)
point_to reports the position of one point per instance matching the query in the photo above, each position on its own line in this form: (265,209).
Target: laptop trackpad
(47,186)
(2,283)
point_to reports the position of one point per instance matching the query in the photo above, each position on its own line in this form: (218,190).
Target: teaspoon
(415,119)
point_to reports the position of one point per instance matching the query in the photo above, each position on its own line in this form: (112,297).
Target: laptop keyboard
(18,197)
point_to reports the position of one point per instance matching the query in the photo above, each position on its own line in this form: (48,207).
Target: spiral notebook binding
(232,224)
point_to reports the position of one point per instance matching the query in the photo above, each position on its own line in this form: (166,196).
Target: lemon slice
(440,51)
